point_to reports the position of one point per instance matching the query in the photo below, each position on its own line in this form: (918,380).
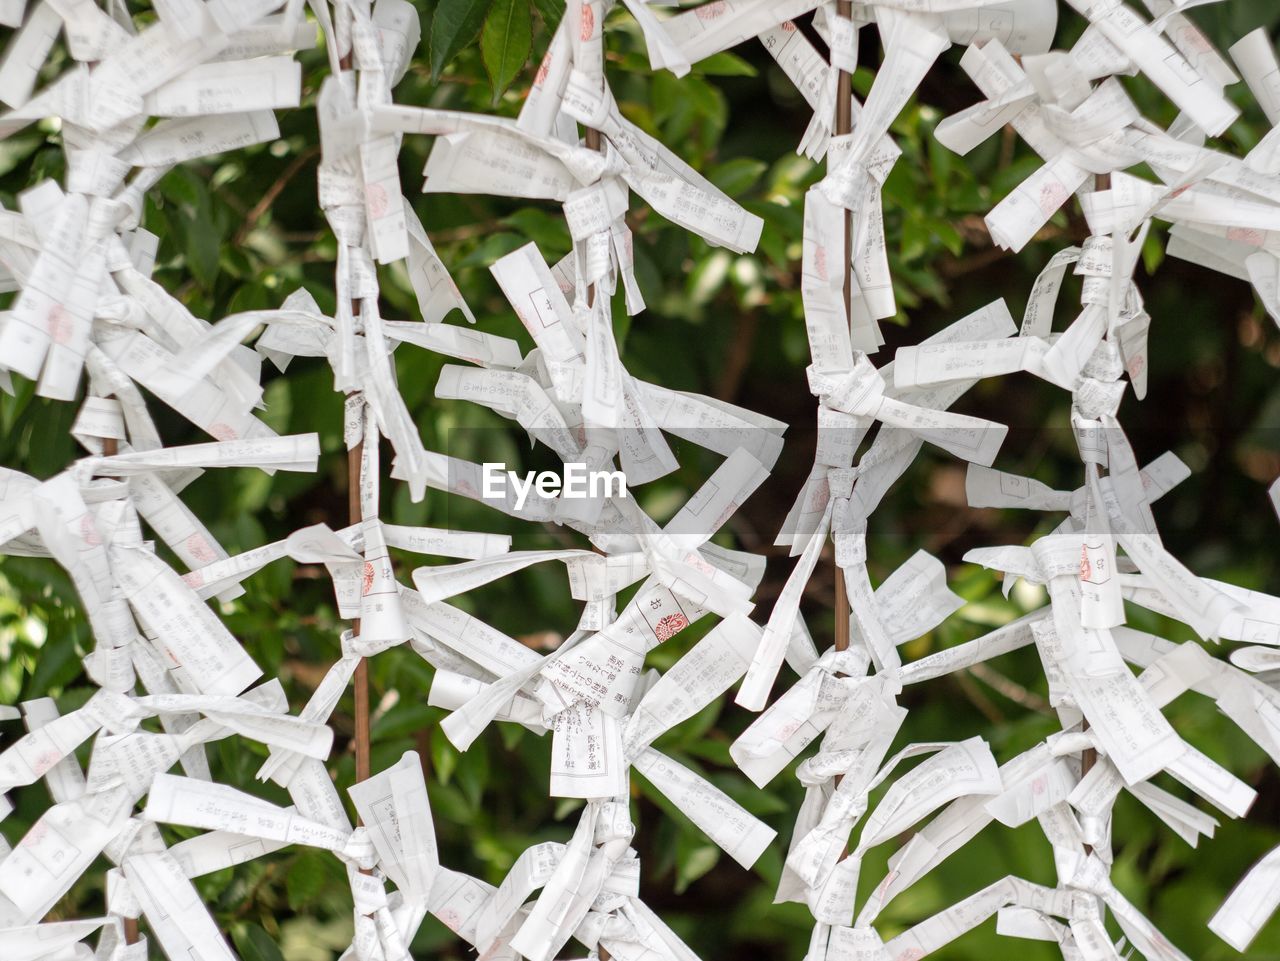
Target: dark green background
(242,231)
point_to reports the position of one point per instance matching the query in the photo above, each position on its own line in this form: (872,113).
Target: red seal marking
(367,581)
(1038,786)
(544,68)
(1245,235)
(450,919)
(788,26)
(818,498)
(1086,569)
(60,324)
(1194,39)
(1136,366)
(89,532)
(1052,196)
(884,885)
(45,761)
(588,21)
(710,11)
(724,516)
(194,580)
(223,431)
(39,831)
(820,261)
(670,626)
(200,548)
(698,564)
(376,198)
(909,954)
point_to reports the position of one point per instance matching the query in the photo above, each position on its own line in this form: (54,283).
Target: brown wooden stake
(844,125)
(355,457)
(1089,756)
(593,141)
(111,447)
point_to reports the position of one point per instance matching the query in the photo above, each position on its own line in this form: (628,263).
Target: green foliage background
(241,231)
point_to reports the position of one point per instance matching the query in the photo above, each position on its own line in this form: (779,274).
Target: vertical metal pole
(844,125)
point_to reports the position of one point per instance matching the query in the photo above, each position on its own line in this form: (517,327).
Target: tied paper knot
(858,391)
(588,99)
(849,532)
(800,715)
(359,850)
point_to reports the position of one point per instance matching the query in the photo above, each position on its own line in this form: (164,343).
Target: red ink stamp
(1245,235)
(670,626)
(376,198)
(1052,196)
(200,548)
(60,324)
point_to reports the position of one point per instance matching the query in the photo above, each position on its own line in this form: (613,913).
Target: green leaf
(551,12)
(444,756)
(504,45)
(407,717)
(735,177)
(306,879)
(544,229)
(254,944)
(724,65)
(491,248)
(454,26)
(693,860)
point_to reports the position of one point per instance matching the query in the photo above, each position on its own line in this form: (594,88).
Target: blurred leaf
(735,177)
(307,877)
(551,11)
(57,664)
(254,944)
(693,860)
(724,64)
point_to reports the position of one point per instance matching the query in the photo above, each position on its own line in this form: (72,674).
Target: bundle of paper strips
(204,78)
